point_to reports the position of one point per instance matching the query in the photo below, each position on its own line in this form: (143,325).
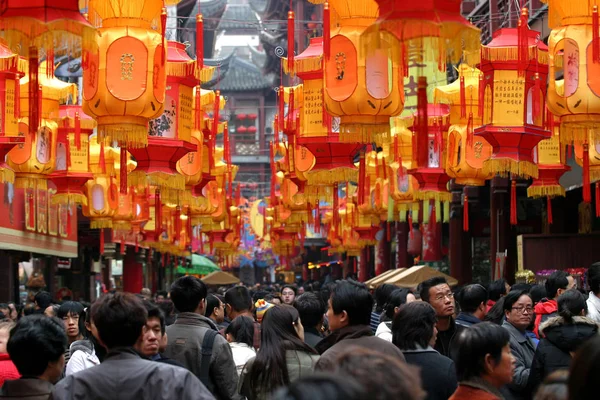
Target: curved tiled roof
(242,76)
(238,17)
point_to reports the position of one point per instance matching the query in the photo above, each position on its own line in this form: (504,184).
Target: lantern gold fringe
(64,34)
(175,197)
(160,179)
(69,198)
(361,133)
(431,195)
(205,74)
(313,193)
(30,181)
(132,135)
(512,54)
(329,177)
(124,226)
(594,173)
(101,223)
(309,64)
(469,181)
(579,133)
(504,167)
(87,124)
(7,175)
(545,191)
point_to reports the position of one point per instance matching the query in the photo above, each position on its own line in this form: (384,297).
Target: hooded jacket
(560,340)
(544,310)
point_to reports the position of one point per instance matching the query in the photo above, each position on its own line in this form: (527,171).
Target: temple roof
(212,11)
(223,64)
(239,17)
(242,76)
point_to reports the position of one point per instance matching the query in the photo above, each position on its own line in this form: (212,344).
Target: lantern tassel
(595,35)
(463,98)
(410,225)
(513,202)
(549,209)
(34,98)
(123,171)
(137,246)
(597,199)
(163,25)
(281,108)
(481,96)
(336,211)
(101,158)
(361,178)
(470,131)
(326,32)
(466,214)
(50,63)
(101,241)
(536,108)
(523,40)
(123,244)
(216,107)
(421,131)
(199,42)
(587,195)
(396,144)
(290,119)
(77,131)
(157,213)
(291,44)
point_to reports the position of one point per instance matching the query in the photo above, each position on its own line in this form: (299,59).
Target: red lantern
(242,129)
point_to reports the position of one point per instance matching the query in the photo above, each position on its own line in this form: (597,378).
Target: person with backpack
(194,341)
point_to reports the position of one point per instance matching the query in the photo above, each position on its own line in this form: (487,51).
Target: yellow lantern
(363,89)
(124,80)
(101,191)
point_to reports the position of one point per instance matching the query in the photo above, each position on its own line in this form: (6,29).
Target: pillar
(133,274)
(305,272)
(363,269)
(403,259)
(499,222)
(460,240)
(432,236)
(382,260)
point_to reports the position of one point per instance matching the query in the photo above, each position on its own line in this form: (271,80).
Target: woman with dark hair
(518,311)
(396,299)
(87,352)
(496,312)
(484,362)
(414,332)
(585,370)
(240,335)
(283,356)
(322,387)
(72,314)
(382,297)
(561,337)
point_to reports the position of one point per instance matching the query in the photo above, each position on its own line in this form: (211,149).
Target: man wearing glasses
(437,292)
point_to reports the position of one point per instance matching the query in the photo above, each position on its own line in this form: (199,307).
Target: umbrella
(200,266)
(220,278)
(417,274)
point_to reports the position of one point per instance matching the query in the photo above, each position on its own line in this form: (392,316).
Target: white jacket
(593,304)
(241,354)
(81,360)
(384,332)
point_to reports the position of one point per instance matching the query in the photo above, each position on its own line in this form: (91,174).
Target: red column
(459,241)
(432,238)
(363,268)
(382,262)
(133,278)
(305,272)
(403,259)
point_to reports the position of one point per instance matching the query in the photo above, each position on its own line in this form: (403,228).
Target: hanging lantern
(513,95)
(573,93)
(124,80)
(465,154)
(402,185)
(11,68)
(72,159)
(35,160)
(363,88)
(588,157)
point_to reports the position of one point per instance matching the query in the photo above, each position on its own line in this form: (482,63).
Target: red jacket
(465,392)
(8,370)
(543,311)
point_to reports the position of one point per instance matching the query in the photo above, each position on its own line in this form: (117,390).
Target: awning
(415,275)
(200,266)
(12,239)
(220,278)
(379,280)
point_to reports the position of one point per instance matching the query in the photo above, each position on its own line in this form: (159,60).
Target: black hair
(497,289)
(413,325)
(496,313)
(471,296)
(35,341)
(382,296)
(557,280)
(521,287)
(43,299)
(168,309)
(162,293)
(585,370)
(272,296)
(322,387)
(571,304)
(428,284)
(278,334)
(292,287)
(325,292)
(187,292)
(119,319)
(396,299)
(155,312)
(73,308)
(593,277)
(474,344)
(239,299)
(242,330)
(537,292)
(212,302)
(512,297)
(354,298)
(310,308)
(258,294)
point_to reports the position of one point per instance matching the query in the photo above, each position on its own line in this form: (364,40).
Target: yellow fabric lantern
(124,80)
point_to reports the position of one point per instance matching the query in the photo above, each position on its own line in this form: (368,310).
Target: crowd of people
(313,342)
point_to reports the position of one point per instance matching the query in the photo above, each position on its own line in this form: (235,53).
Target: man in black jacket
(437,292)
(472,300)
(311,310)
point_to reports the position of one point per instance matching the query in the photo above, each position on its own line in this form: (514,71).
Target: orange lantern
(124,80)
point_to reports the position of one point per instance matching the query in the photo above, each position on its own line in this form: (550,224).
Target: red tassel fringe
(466,214)
(587,195)
(513,202)
(536,108)
(199,42)
(123,171)
(101,159)
(157,213)
(597,199)
(326,32)
(523,31)
(549,210)
(481,96)
(290,37)
(77,131)
(470,131)
(463,98)
(595,35)
(34,94)
(101,241)
(163,25)
(361,178)
(421,131)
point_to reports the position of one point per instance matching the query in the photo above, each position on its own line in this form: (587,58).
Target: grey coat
(26,388)
(125,375)
(523,350)
(185,346)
